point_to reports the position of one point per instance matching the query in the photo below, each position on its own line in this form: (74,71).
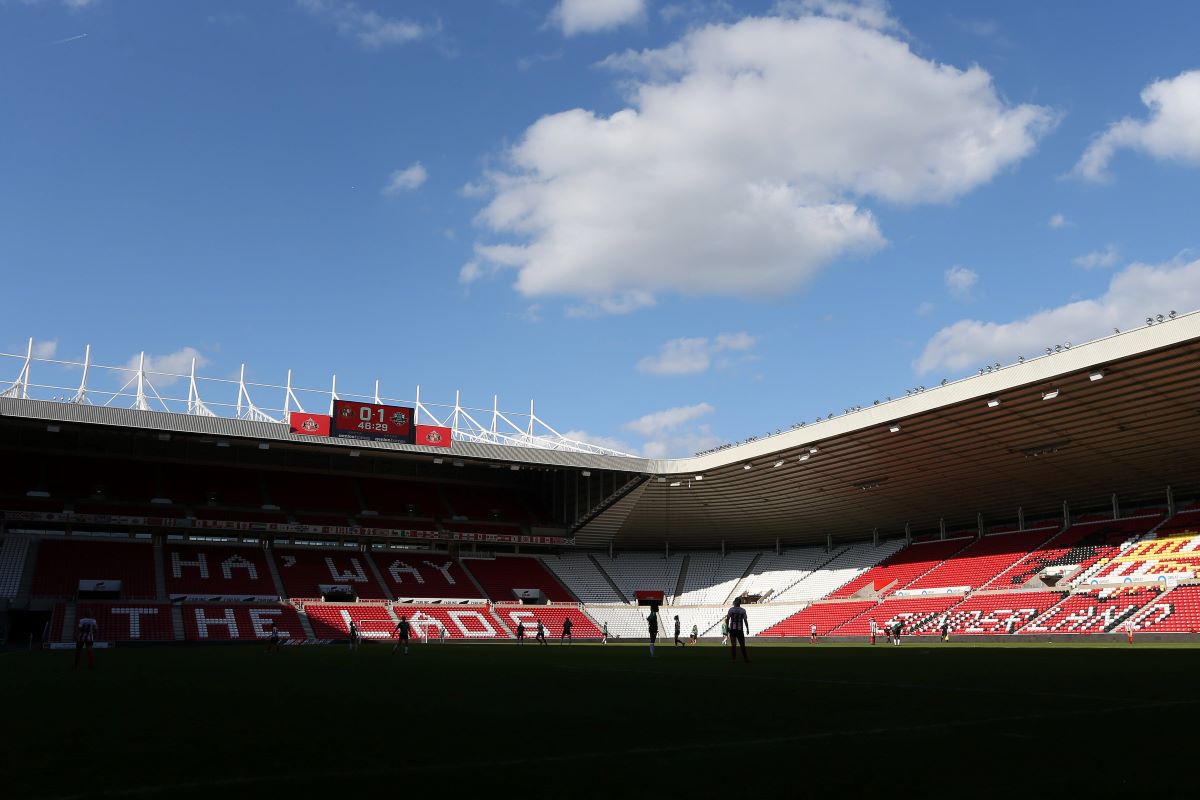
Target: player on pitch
(739,626)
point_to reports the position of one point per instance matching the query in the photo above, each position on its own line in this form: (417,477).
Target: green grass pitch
(500,720)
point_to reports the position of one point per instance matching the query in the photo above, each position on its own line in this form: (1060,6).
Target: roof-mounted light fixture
(895,428)
(747,466)
(804,456)
(777,465)
(993,402)
(1050,395)
(1097,375)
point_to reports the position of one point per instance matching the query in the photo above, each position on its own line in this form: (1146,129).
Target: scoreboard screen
(372,421)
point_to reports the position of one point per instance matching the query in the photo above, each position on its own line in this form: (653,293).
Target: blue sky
(674,224)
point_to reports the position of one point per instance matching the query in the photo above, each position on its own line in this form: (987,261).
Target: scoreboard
(372,421)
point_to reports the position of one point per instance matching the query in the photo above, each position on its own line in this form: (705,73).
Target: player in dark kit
(541,633)
(739,626)
(353,636)
(566,633)
(273,642)
(402,633)
(652,627)
(520,632)
(678,642)
(85,638)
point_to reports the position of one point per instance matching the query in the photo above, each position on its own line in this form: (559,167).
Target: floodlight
(437,461)
(1171,314)
(164,437)
(1050,395)
(699,477)
(1149,320)
(674,484)
(586,473)
(944,381)
(1020,359)
(778,464)
(894,429)
(1097,375)
(993,402)
(355,453)
(1159,317)
(804,457)
(747,466)
(514,467)
(814,450)
(264,446)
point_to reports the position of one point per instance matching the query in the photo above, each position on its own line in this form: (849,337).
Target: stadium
(863,336)
(1048,501)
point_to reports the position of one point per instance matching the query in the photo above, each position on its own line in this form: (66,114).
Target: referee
(739,626)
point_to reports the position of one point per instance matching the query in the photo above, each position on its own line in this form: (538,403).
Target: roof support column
(875,536)
(1020,518)
(942,528)
(1066,514)
(979,523)
(1170,502)
(907,533)
(722,548)
(1116,507)
(777,550)
(829,543)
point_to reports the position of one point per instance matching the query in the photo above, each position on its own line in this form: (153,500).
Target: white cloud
(1101,258)
(960,281)
(76,5)
(868,13)
(672,433)
(611,442)
(925,309)
(407,179)
(369,28)
(1172,131)
(1058,221)
(45,349)
(739,167)
(670,419)
(1134,293)
(693,356)
(591,16)
(177,363)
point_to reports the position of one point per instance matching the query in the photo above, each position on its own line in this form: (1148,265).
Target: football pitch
(601,721)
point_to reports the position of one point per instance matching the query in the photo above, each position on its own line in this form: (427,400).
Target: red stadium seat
(304,571)
(501,575)
(826,616)
(424,576)
(200,570)
(898,571)
(62,563)
(124,622)
(233,622)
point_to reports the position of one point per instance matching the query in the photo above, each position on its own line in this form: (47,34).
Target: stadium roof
(1120,415)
